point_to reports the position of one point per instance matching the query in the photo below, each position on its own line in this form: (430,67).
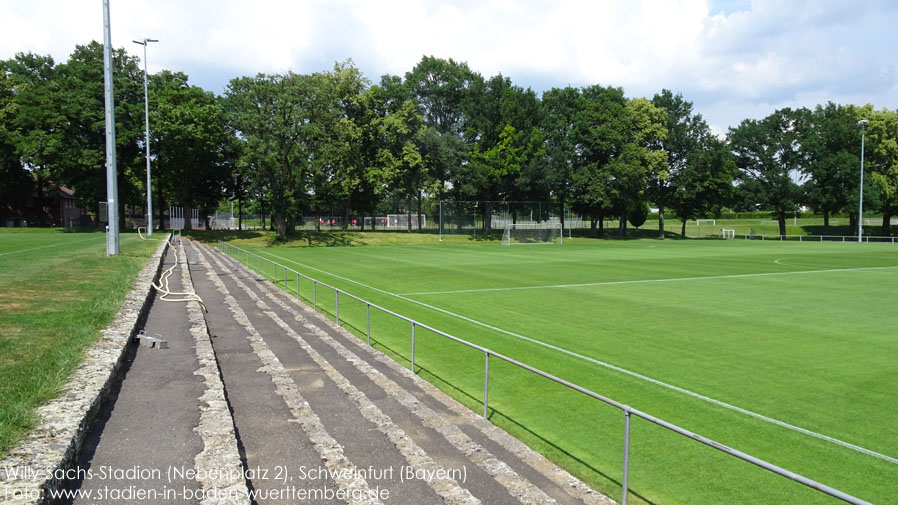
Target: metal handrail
(250,258)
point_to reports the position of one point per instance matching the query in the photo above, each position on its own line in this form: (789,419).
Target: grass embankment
(791,331)
(57,291)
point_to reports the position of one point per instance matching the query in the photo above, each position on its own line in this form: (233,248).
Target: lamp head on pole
(863,123)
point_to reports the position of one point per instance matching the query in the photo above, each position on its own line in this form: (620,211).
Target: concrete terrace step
(166,420)
(305,391)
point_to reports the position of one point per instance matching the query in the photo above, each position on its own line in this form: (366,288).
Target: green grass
(725,319)
(57,291)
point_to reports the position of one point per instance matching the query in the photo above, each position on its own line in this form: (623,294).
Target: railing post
(275,275)
(337,306)
(368,317)
(315,295)
(624,480)
(486,383)
(297,284)
(413,347)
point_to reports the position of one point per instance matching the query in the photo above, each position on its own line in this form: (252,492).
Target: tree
(767,152)
(275,118)
(704,182)
(560,149)
(190,143)
(601,130)
(442,90)
(685,134)
(399,163)
(68,141)
(504,123)
(829,149)
(16,179)
(882,132)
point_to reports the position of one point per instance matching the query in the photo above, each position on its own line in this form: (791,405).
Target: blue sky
(734,59)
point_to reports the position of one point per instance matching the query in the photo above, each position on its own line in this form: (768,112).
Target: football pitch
(785,351)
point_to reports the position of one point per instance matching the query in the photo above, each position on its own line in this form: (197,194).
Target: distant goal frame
(554,230)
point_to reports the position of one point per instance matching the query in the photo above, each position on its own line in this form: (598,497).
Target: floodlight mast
(146,107)
(860,213)
(112,238)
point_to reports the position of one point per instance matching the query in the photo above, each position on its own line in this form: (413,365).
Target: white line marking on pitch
(643,281)
(47,246)
(678,389)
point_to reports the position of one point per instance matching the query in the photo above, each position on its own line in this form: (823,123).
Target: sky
(734,59)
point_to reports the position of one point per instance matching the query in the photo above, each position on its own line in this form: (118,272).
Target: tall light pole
(860,213)
(146,107)
(112,239)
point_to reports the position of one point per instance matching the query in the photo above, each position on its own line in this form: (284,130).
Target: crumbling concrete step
(498,468)
(370,450)
(166,420)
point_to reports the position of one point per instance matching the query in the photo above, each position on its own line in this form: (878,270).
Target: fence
(457,217)
(819,238)
(255,262)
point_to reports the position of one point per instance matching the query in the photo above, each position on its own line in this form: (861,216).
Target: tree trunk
(281,223)
(601,217)
(487,217)
(886,230)
(623,226)
(781,217)
(825,222)
(661,222)
(852,223)
(683,229)
(419,211)
(592,226)
(188,225)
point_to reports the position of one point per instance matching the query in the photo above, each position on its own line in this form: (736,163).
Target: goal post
(539,233)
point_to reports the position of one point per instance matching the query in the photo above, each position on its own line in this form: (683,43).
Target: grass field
(57,290)
(799,333)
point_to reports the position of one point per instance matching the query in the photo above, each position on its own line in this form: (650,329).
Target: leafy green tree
(704,182)
(16,179)
(190,144)
(882,133)
(442,89)
(344,115)
(561,108)
(275,118)
(71,144)
(601,129)
(504,120)
(830,150)
(767,153)
(686,132)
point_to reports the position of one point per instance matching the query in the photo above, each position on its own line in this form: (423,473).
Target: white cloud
(731,57)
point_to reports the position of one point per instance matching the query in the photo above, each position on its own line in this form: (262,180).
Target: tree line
(303,144)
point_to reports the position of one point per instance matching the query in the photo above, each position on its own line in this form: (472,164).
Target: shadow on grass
(314,238)
(212,236)
(632,234)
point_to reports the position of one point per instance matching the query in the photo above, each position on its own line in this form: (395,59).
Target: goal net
(541,233)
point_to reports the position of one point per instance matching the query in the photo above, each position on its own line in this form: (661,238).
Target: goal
(540,233)
(728,233)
